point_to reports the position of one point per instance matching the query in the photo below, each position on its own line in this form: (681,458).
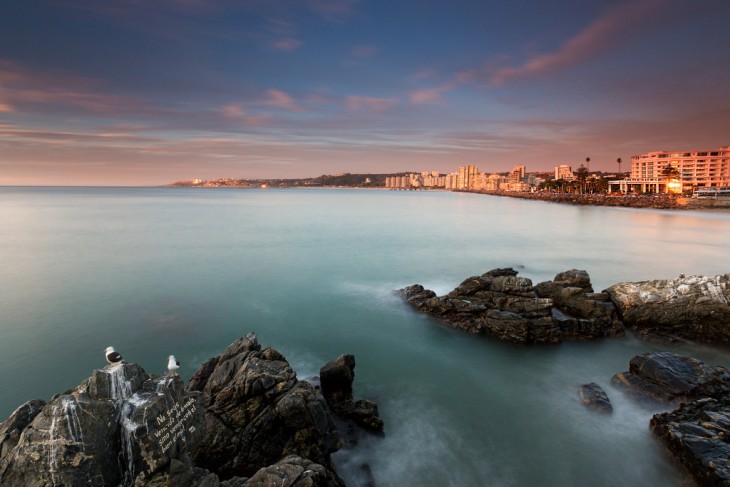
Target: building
(564,172)
(517,174)
(467,176)
(695,169)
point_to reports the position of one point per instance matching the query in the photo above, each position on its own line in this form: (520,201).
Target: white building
(695,169)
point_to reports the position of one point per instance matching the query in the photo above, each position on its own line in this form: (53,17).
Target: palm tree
(619,166)
(670,172)
(581,174)
(588,164)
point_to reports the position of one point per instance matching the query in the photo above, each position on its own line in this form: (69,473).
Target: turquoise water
(182,271)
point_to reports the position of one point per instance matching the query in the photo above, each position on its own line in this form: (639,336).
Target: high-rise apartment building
(694,169)
(467,175)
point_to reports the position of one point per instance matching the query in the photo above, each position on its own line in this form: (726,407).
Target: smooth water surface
(155,271)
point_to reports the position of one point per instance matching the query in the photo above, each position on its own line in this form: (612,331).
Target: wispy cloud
(370,104)
(237,112)
(597,37)
(287,44)
(281,99)
(428,96)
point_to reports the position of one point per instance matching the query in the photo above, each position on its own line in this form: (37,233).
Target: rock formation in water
(243,420)
(502,305)
(594,397)
(336,378)
(667,377)
(692,307)
(698,433)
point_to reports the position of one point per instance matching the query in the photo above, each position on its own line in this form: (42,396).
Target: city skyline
(126,93)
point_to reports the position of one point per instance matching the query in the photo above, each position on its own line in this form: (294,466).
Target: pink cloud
(236,111)
(280,99)
(595,38)
(287,44)
(370,104)
(431,95)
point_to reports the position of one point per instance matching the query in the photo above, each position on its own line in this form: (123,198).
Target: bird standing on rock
(172,364)
(111,356)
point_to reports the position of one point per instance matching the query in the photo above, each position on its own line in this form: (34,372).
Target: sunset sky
(133,92)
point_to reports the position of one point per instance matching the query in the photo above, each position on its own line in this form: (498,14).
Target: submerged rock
(692,307)
(698,435)
(502,305)
(666,377)
(594,397)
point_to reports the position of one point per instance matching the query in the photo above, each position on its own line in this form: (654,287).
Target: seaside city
(701,173)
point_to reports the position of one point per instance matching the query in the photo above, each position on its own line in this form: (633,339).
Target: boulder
(691,307)
(505,306)
(666,377)
(336,378)
(698,435)
(258,412)
(594,397)
(106,431)
(292,471)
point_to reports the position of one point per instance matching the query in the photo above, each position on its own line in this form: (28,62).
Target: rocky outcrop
(666,377)
(244,420)
(502,305)
(698,435)
(692,307)
(336,379)
(106,431)
(258,412)
(594,397)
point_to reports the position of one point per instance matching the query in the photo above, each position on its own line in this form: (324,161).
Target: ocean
(185,271)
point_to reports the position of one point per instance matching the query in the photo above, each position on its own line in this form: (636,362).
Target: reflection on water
(155,272)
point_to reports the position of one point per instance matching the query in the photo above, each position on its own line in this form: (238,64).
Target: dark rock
(293,471)
(502,305)
(242,413)
(691,307)
(336,378)
(258,412)
(665,377)
(698,435)
(104,432)
(594,397)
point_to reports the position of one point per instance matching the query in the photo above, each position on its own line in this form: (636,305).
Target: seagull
(111,356)
(172,363)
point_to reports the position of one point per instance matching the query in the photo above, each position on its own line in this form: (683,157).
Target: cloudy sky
(136,92)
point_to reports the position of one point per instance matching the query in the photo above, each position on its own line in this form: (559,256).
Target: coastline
(659,201)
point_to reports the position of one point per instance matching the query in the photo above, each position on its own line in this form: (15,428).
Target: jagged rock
(664,377)
(336,378)
(292,471)
(594,397)
(502,305)
(698,435)
(103,432)
(579,312)
(692,307)
(12,427)
(258,412)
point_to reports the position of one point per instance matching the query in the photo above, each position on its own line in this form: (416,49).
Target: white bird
(111,356)
(172,363)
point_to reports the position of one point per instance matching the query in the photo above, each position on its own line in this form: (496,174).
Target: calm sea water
(186,271)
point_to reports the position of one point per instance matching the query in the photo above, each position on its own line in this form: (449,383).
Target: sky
(136,92)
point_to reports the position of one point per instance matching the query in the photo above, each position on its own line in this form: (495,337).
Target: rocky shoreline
(507,307)
(501,305)
(244,419)
(657,201)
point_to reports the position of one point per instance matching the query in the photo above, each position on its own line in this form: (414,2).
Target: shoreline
(659,201)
